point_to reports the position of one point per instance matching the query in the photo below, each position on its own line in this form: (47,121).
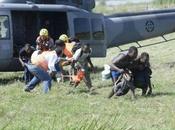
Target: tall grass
(60,110)
(132,7)
(162,2)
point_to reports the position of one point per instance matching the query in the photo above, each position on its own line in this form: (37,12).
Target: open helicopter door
(89,28)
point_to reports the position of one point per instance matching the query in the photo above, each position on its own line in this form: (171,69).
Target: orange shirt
(68,49)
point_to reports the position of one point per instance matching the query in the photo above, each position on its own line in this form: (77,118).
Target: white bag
(106,73)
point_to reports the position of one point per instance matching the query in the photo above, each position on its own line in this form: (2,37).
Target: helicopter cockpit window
(97,29)
(4,27)
(78,2)
(82,28)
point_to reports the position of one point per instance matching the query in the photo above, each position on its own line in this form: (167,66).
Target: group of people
(47,60)
(134,69)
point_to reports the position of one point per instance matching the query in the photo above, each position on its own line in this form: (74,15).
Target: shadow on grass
(11,80)
(98,69)
(162,94)
(80,91)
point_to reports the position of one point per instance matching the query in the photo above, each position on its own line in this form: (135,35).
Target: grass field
(132,7)
(61,110)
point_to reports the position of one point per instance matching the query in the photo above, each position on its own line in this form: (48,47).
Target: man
(43,68)
(75,43)
(44,38)
(24,57)
(61,44)
(82,58)
(123,62)
(68,46)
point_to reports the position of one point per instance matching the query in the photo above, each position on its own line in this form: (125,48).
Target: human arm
(115,61)
(150,88)
(77,55)
(20,57)
(22,63)
(91,64)
(149,81)
(52,61)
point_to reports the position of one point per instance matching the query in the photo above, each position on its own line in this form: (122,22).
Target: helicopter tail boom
(133,28)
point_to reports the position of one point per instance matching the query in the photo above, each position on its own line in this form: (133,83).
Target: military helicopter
(21,20)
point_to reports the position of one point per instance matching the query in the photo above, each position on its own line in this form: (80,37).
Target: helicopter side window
(82,28)
(97,29)
(78,2)
(4,27)
(62,0)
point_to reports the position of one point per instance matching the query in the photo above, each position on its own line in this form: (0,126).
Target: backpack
(122,87)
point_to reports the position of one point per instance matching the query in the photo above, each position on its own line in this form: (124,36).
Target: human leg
(41,75)
(27,75)
(87,80)
(115,75)
(32,84)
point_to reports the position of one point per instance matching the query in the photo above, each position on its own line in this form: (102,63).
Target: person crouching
(25,57)
(142,74)
(43,68)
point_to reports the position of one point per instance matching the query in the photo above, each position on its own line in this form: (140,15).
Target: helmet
(64,38)
(43,32)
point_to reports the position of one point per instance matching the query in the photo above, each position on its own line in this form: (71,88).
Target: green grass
(122,8)
(162,2)
(61,110)
(132,7)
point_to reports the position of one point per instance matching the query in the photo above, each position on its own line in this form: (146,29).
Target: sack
(106,74)
(121,89)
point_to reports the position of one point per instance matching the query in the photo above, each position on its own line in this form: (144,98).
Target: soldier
(44,38)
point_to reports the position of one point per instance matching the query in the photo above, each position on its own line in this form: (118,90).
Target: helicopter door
(5,35)
(89,28)
(98,34)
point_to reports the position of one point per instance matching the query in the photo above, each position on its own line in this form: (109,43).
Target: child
(142,73)
(82,58)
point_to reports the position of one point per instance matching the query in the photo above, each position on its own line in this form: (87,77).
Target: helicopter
(21,20)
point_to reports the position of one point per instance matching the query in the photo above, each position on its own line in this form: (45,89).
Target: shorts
(115,74)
